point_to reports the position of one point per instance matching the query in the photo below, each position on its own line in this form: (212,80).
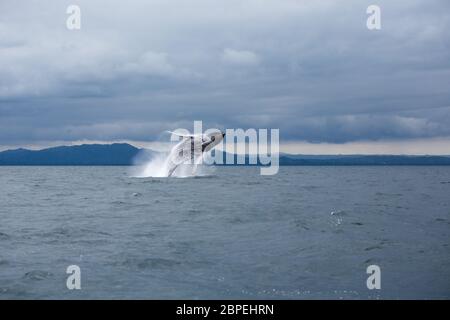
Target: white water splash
(158,167)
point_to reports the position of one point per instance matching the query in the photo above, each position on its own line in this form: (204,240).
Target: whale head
(213,139)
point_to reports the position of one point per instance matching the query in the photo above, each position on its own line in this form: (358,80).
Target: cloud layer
(310,68)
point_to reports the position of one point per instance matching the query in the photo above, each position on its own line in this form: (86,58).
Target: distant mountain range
(86,154)
(125,154)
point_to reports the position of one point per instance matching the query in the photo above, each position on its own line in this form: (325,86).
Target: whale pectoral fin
(184,135)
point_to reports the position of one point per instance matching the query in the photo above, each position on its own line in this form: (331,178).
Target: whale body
(191,148)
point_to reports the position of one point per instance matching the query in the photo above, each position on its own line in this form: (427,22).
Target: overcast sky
(310,68)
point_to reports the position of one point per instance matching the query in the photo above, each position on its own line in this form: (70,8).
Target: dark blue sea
(305,233)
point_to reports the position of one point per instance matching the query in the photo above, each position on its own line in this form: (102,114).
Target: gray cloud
(240,58)
(310,68)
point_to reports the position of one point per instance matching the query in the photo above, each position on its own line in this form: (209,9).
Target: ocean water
(305,233)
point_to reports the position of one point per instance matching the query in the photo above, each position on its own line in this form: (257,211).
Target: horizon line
(71,144)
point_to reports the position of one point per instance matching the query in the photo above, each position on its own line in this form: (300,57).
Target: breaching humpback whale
(191,148)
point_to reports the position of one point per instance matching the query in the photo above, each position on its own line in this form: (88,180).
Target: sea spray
(157,166)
